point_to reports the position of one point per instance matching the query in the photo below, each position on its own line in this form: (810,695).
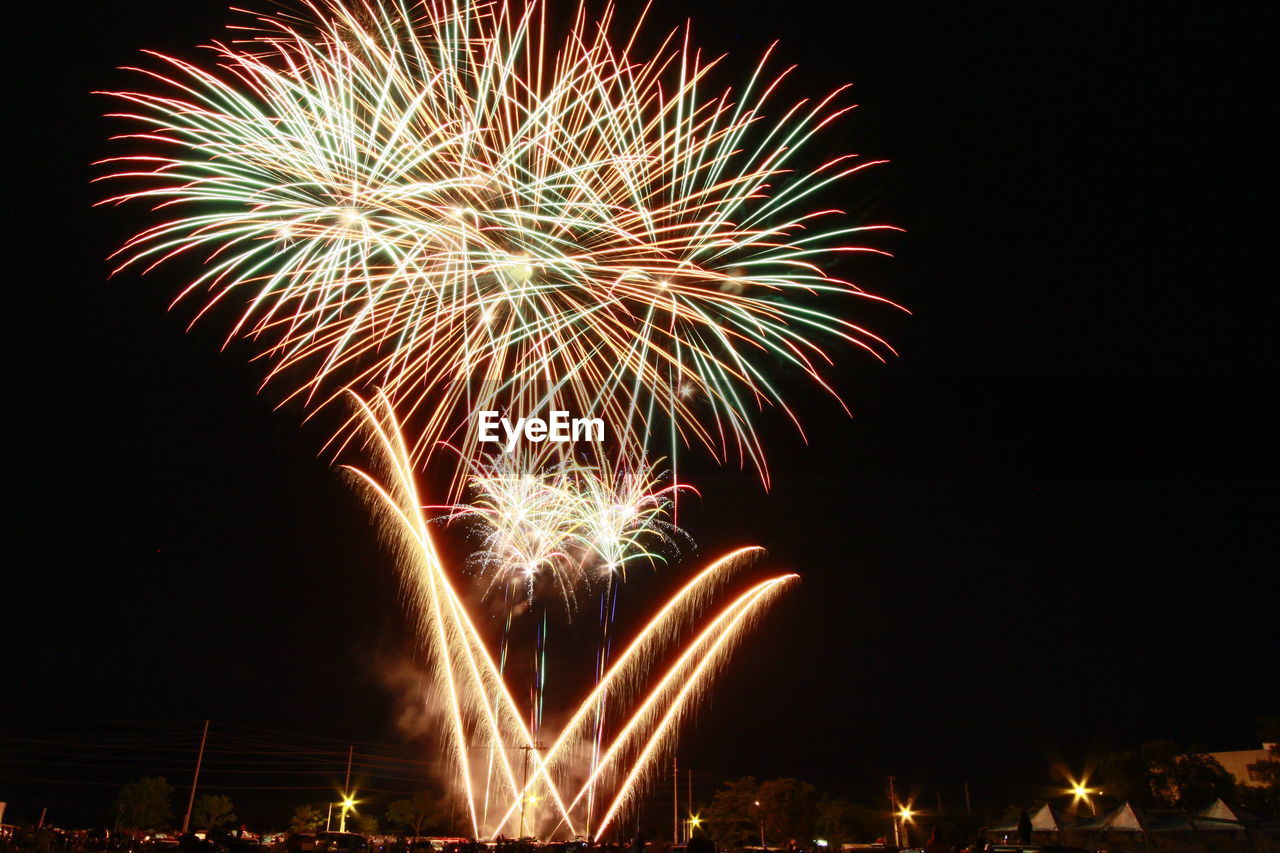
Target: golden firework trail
(467,208)
(482,719)
(570,526)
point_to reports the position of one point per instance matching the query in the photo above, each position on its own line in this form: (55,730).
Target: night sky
(1047,531)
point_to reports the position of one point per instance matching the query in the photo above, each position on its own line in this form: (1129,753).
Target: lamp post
(761,810)
(893,811)
(1082,793)
(525,797)
(904,815)
(347,803)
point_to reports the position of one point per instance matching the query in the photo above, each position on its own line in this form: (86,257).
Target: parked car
(341,842)
(301,842)
(160,841)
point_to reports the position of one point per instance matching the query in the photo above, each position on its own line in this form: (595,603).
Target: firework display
(483,719)
(570,527)
(467,210)
(449,217)
(581,524)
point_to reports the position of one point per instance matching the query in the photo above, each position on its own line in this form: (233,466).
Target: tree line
(1157,775)
(748,812)
(147,804)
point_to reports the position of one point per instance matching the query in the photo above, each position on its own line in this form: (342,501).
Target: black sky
(1047,531)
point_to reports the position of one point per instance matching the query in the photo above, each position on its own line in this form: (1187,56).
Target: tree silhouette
(414,813)
(212,811)
(789,808)
(733,816)
(1164,775)
(306,819)
(145,804)
(840,821)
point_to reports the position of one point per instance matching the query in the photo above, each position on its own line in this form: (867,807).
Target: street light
(348,803)
(762,844)
(1082,792)
(904,815)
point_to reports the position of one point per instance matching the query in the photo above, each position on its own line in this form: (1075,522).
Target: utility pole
(524,786)
(968,807)
(346,790)
(675,802)
(689,833)
(893,807)
(191,800)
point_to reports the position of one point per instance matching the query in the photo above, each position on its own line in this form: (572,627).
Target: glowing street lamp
(1082,792)
(348,804)
(904,815)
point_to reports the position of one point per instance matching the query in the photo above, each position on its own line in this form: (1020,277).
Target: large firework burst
(467,208)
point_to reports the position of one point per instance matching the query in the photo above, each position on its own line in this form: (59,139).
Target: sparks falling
(483,718)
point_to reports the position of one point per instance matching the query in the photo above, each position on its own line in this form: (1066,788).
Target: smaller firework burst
(576,525)
(527,515)
(449,203)
(623,512)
